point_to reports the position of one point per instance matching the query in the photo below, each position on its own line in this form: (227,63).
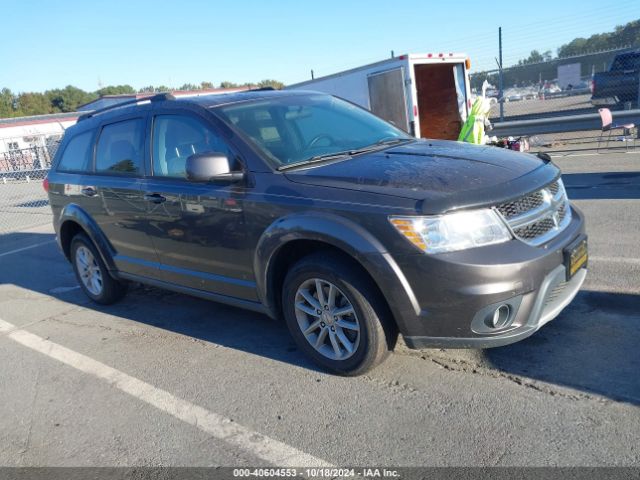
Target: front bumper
(554,295)
(449,295)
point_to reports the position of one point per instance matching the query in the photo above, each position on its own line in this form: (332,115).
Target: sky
(91,43)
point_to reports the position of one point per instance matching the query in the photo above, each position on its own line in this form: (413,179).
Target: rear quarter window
(77,154)
(120,148)
(629,61)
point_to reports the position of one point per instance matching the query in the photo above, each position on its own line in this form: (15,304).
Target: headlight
(453,231)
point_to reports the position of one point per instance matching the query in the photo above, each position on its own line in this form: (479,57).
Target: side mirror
(211,167)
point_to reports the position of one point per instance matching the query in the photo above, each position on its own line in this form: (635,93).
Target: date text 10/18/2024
(316,472)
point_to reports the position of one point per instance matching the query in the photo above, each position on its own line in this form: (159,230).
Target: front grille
(539,216)
(522,205)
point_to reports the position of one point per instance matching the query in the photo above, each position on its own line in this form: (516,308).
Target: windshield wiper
(381,143)
(347,153)
(316,159)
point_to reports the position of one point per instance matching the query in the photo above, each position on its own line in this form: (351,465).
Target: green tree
(189,86)
(206,85)
(627,35)
(7,103)
(69,98)
(534,57)
(33,104)
(270,83)
(116,90)
(227,84)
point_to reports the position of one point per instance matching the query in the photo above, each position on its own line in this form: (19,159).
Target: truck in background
(620,84)
(425,94)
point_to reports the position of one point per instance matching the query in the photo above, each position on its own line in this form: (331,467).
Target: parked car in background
(512,95)
(621,83)
(310,209)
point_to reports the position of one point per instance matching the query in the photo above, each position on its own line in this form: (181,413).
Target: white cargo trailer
(425,94)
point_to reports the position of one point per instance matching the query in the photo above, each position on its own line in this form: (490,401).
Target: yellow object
(473,129)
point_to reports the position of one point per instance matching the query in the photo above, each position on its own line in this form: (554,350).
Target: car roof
(214,100)
(91,120)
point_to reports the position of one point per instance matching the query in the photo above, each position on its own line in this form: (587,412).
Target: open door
(440,107)
(387,97)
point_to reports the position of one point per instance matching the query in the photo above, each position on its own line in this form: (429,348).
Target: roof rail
(160,97)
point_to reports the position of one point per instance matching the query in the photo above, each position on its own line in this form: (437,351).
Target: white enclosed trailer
(425,94)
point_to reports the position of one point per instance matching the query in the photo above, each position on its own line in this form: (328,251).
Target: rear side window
(120,148)
(77,155)
(626,62)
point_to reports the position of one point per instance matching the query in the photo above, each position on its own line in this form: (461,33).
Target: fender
(345,235)
(74,213)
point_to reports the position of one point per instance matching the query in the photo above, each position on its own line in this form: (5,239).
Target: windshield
(298,128)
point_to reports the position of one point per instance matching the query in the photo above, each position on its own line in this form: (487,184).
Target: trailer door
(387,97)
(459,78)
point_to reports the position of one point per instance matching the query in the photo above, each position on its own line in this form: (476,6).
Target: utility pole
(501,85)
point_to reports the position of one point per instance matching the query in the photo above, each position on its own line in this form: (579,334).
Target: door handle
(89,191)
(154,198)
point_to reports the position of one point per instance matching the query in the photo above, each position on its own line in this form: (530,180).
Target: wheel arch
(74,220)
(291,238)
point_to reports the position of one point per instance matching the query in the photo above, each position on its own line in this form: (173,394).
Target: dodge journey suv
(305,207)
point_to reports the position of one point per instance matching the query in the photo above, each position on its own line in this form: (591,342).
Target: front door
(197,228)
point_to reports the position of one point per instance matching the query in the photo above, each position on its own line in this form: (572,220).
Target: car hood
(443,174)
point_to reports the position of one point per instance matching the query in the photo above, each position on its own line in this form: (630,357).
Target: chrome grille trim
(539,216)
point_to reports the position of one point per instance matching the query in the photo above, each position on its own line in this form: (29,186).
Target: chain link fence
(562,89)
(23,201)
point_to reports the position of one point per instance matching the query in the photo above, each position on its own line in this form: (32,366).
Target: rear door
(116,190)
(197,228)
(387,97)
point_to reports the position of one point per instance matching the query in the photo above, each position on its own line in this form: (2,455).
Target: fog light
(501,316)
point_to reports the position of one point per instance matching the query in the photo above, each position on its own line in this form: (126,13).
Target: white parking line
(18,250)
(629,260)
(270,450)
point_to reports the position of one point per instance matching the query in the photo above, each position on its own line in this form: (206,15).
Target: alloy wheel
(327,319)
(89,270)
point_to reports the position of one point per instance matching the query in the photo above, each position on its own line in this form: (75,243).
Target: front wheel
(335,314)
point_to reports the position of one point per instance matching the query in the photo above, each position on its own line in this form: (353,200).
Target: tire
(92,273)
(375,334)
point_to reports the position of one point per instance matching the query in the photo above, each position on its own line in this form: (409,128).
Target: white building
(38,131)
(29,143)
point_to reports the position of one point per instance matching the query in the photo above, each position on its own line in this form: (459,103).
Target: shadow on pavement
(607,185)
(44,270)
(592,346)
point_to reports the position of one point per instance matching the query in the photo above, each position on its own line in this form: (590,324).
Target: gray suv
(305,207)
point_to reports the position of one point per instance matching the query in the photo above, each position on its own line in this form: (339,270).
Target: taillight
(45,184)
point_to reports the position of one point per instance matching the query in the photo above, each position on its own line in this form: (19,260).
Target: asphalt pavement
(165,379)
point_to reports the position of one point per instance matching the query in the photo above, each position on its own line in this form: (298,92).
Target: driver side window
(176,137)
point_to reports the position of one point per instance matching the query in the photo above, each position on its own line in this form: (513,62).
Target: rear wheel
(335,315)
(92,273)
